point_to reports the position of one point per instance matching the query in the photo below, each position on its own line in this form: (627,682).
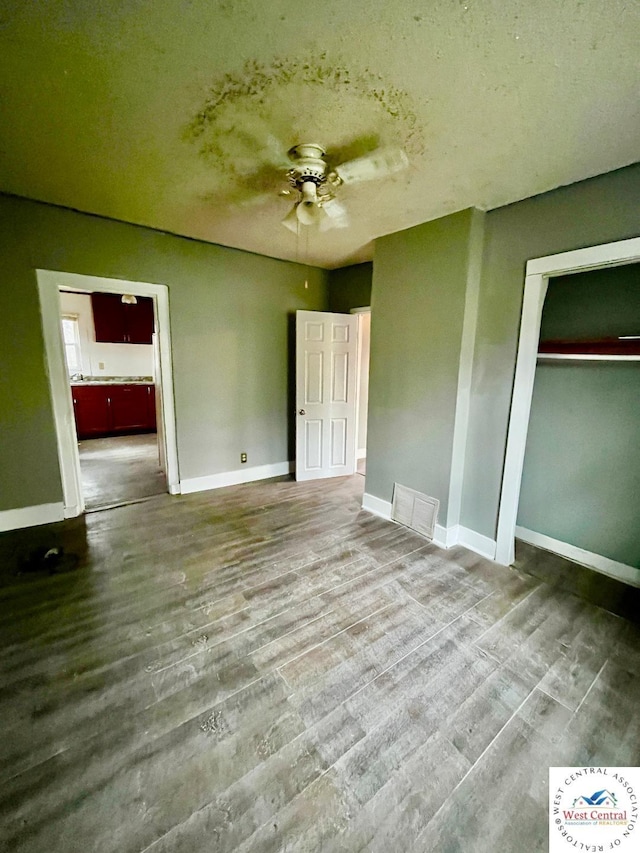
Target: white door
(326,356)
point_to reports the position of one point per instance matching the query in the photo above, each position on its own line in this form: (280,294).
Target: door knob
(302,412)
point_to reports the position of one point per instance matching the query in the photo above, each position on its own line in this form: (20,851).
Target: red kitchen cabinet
(117,322)
(139,321)
(91,410)
(129,408)
(108,318)
(102,410)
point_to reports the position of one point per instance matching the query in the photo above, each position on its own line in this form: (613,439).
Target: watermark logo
(600,798)
(593,809)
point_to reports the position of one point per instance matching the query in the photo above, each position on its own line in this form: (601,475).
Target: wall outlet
(101,365)
(243,457)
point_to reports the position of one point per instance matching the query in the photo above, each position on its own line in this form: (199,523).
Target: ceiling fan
(317,183)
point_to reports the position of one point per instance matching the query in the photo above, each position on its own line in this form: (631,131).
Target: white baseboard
(611,568)
(31,516)
(376,506)
(73,511)
(362,453)
(235,478)
(445,537)
(175,489)
(477,542)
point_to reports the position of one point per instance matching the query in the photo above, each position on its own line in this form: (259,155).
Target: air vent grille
(415,510)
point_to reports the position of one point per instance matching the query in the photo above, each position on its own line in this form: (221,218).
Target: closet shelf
(601,349)
(581,356)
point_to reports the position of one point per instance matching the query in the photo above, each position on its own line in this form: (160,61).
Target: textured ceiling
(171,113)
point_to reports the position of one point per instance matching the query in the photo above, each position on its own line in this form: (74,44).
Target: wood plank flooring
(268,668)
(119,469)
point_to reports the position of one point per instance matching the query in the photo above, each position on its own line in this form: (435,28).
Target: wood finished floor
(119,469)
(268,668)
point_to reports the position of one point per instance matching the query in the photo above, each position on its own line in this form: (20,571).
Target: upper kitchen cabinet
(118,322)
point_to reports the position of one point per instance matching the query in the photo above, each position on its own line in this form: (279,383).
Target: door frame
(538,273)
(366,309)
(49,284)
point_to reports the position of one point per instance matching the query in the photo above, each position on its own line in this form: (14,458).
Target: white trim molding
(359,312)
(591,258)
(376,506)
(538,272)
(31,516)
(447,537)
(476,542)
(444,537)
(235,478)
(604,565)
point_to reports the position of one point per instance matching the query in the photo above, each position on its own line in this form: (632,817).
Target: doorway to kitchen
(109,357)
(109,353)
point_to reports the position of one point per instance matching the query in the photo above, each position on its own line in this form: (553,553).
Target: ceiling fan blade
(254,200)
(275,153)
(337,216)
(378,164)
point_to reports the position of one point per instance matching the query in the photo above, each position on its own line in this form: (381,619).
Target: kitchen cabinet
(132,408)
(91,409)
(117,322)
(102,410)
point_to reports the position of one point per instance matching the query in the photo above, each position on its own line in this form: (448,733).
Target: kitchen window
(71,339)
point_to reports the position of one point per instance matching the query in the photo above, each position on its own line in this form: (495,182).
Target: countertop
(113,380)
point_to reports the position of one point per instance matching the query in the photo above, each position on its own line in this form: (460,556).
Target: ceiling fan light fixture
(291,219)
(309,192)
(308,213)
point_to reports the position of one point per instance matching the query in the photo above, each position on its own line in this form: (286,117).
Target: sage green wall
(350,287)
(581,479)
(417,311)
(599,210)
(230,324)
(598,304)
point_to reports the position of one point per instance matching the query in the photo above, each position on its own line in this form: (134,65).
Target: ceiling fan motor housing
(309,165)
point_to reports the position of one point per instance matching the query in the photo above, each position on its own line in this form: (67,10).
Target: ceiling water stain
(251,118)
